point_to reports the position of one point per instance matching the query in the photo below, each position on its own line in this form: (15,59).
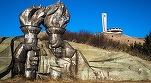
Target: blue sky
(133,16)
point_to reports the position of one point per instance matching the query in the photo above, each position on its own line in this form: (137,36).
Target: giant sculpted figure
(26,57)
(57,16)
(26,54)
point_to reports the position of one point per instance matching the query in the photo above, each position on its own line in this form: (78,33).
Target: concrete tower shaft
(104,22)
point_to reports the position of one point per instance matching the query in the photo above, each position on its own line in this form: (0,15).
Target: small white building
(114,30)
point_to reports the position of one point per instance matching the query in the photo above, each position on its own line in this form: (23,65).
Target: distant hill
(123,39)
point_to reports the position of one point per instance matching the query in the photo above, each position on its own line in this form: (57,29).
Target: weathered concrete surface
(115,65)
(6,53)
(102,64)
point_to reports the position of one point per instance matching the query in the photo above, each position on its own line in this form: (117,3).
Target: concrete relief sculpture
(32,57)
(27,53)
(54,57)
(57,16)
(26,57)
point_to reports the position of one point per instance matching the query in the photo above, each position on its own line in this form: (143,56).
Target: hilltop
(123,39)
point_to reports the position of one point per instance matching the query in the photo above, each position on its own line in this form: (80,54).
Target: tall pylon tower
(104,22)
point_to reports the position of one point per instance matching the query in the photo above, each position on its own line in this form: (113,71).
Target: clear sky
(133,16)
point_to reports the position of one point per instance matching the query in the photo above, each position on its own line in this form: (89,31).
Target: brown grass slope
(123,39)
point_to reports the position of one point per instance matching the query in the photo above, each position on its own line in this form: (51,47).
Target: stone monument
(26,57)
(27,53)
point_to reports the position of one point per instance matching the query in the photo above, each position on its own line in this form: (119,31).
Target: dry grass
(123,39)
(49,80)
